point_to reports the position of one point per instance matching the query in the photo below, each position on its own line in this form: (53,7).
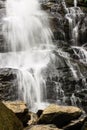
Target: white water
(69,63)
(25,23)
(74,15)
(75,3)
(28,38)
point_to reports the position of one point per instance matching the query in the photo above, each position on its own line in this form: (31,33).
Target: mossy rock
(8,120)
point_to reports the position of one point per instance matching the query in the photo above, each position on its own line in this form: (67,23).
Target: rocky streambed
(16,116)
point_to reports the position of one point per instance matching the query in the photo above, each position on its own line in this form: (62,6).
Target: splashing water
(26,24)
(27,36)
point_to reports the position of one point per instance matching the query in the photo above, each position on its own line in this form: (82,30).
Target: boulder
(59,115)
(20,109)
(42,127)
(8,120)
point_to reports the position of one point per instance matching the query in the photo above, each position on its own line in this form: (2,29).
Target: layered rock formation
(62,86)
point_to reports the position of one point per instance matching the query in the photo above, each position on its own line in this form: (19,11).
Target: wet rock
(2,15)
(76,124)
(39,113)
(8,84)
(56,27)
(81,3)
(8,120)
(20,109)
(33,118)
(2,4)
(47,5)
(84,127)
(59,115)
(42,127)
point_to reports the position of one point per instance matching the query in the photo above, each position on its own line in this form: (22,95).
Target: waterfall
(25,23)
(74,15)
(45,72)
(28,39)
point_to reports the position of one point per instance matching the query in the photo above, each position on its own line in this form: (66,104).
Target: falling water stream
(28,39)
(74,15)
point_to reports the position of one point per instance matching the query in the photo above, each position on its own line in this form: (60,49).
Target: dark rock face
(8,120)
(84,127)
(62,86)
(64,117)
(59,115)
(2,14)
(81,3)
(59,23)
(8,84)
(75,124)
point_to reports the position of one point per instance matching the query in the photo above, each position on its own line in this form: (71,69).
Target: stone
(59,115)
(8,84)
(76,124)
(2,4)
(47,5)
(81,3)
(8,120)
(42,127)
(33,118)
(20,109)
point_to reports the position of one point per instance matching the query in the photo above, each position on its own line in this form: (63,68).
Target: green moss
(8,120)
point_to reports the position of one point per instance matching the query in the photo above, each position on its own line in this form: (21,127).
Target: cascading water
(75,3)
(45,73)
(70,27)
(28,39)
(25,18)
(74,15)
